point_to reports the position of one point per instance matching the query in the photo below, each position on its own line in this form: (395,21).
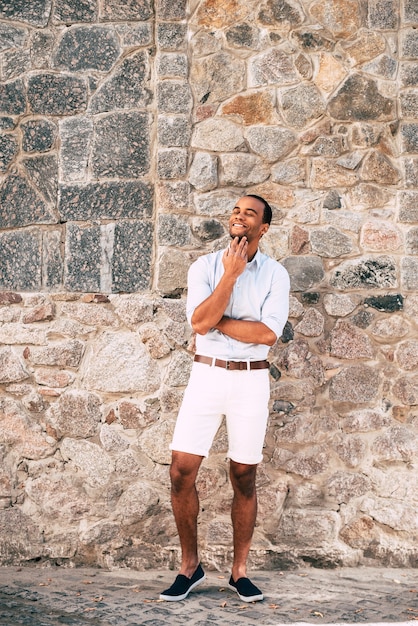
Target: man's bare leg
(185,504)
(243,514)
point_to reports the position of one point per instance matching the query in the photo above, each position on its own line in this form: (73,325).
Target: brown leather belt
(232,365)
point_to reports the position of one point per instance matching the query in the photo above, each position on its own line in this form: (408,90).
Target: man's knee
(183,470)
(243,478)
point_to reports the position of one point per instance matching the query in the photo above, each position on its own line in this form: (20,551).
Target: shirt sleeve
(198,286)
(275,308)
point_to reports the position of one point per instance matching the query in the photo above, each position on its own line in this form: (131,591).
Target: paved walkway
(51,596)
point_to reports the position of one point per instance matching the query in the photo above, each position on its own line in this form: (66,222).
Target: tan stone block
(330,73)
(341,17)
(283,197)
(221,13)
(327,174)
(43,312)
(400,413)
(87,313)
(360,533)
(380,236)
(53,378)
(253,108)
(367,196)
(368,45)
(407,354)
(154,340)
(377,168)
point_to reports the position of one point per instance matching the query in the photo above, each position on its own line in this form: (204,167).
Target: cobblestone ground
(35,596)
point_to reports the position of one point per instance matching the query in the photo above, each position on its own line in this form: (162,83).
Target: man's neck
(251,256)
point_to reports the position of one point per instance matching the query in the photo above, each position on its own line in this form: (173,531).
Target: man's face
(247,219)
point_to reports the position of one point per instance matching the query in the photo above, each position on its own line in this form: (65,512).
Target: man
(237,304)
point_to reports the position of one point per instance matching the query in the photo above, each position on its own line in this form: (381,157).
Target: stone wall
(128,129)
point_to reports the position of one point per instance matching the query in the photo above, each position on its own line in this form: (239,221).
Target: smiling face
(247,220)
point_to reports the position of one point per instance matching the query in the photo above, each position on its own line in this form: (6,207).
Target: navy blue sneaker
(246,590)
(183,585)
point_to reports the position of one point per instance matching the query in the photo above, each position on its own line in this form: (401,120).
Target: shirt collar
(255,261)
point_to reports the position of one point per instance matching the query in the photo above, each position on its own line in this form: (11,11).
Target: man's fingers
(238,246)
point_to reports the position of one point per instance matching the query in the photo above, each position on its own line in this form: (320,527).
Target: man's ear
(264,229)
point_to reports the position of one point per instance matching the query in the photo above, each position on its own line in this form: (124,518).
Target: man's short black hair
(268,213)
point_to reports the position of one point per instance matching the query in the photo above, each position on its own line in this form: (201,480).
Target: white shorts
(213,392)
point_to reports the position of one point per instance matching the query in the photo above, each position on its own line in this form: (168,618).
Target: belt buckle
(227,365)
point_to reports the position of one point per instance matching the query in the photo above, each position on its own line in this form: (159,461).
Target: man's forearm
(246,331)
(210,312)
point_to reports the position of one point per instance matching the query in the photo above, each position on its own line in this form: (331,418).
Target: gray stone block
(38,135)
(121,146)
(20,205)
(302,105)
(409,74)
(173,231)
(12,98)
(384,66)
(126,88)
(355,384)
(172,163)
(174,131)
(411,171)
(330,242)
(20,260)
(35,12)
(409,273)
(409,105)
(41,48)
(378,272)
(304,271)
(111,200)
(409,136)
(383,14)
(115,10)
(409,44)
(410,11)
(132,256)
(408,206)
(172,65)
(169,10)
(8,150)
(171,36)
(87,48)
(359,99)
(243,36)
(7,123)
(53,262)
(15,63)
(203,173)
(135,34)
(75,135)
(43,173)
(173,196)
(83,256)
(70,12)
(174,97)
(11,36)
(56,94)
(207,230)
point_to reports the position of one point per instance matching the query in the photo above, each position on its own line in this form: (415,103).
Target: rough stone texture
(128,130)
(121,146)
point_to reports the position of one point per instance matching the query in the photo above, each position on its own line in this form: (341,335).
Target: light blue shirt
(261,293)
